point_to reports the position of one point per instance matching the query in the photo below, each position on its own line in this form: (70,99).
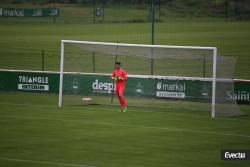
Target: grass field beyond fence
(21,44)
(24,38)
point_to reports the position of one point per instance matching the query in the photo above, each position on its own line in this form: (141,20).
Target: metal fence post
(42,60)
(152,34)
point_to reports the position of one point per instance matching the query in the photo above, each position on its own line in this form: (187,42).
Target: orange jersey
(120,73)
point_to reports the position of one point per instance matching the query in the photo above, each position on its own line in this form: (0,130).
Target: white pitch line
(29,105)
(147,111)
(143,127)
(44,162)
(159,128)
(188,115)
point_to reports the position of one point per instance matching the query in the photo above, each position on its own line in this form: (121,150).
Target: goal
(163,76)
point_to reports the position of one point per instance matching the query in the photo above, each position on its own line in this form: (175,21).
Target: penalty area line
(147,111)
(139,126)
(44,162)
(159,128)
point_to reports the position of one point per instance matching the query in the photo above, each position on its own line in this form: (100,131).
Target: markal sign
(35,83)
(170,89)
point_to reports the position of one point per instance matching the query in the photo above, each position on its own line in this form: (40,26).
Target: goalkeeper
(119,76)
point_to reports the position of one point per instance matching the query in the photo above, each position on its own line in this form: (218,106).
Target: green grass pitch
(34,132)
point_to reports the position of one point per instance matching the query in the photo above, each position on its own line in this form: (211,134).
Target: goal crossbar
(139,45)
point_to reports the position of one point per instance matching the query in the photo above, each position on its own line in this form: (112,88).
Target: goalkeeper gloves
(117,78)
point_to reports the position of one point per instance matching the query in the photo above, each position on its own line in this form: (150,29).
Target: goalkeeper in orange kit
(119,76)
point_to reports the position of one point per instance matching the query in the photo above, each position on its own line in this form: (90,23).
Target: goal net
(162,76)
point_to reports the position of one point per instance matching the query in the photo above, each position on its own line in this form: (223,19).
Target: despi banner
(97,84)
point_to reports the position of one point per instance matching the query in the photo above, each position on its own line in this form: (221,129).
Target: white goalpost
(161,53)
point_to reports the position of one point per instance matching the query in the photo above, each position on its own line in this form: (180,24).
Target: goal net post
(163,76)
